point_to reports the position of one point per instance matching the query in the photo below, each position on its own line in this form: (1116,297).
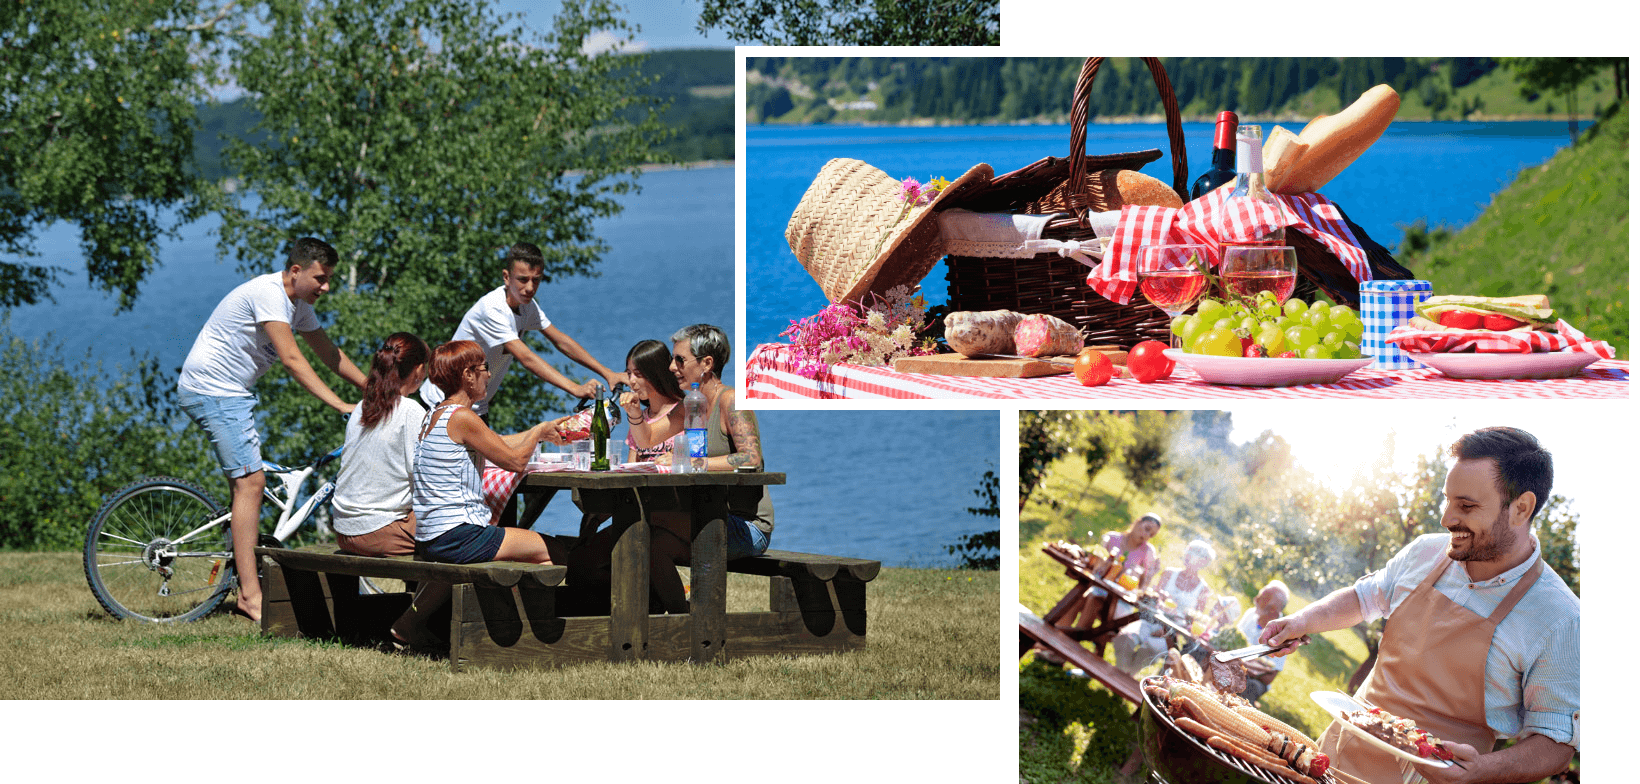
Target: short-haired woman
(453,523)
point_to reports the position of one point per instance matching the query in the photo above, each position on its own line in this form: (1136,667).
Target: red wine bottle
(1224,157)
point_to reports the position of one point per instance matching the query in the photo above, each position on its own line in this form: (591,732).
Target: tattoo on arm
(743,436)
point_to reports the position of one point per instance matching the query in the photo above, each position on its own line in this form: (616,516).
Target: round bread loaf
(1109,189)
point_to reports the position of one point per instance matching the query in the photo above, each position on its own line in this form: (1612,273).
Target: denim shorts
(231,426)
(745,538)
(463,544)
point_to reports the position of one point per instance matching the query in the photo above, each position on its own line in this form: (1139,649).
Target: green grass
(56,643)
(1560,229)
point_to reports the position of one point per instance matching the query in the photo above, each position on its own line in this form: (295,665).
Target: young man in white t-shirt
(251,328)
(498,321)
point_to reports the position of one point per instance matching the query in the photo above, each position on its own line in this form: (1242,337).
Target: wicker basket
(1057,286)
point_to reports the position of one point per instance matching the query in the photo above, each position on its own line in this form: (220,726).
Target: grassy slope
(1561,229)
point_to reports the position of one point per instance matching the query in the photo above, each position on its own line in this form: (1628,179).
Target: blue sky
(666,24)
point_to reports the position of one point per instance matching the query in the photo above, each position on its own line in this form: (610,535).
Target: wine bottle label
(1249,154)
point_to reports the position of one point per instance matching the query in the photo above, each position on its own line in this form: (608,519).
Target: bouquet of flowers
(861,335)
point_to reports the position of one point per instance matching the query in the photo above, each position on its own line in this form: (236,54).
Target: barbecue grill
(1177,757)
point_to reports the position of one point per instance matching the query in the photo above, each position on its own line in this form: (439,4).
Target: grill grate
(1247,769)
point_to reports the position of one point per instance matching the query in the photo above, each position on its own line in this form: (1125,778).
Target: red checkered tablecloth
(771,374)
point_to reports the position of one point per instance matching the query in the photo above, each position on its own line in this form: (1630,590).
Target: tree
(421,138)
(1044,436)
(96,129)
(1564,75)
(856,22)
(982,550)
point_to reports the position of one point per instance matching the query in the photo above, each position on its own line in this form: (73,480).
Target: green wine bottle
(600,438)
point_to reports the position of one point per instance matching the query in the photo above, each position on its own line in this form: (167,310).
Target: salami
(1041,335)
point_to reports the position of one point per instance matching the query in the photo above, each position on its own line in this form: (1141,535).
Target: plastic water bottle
(680,454)
(694,424)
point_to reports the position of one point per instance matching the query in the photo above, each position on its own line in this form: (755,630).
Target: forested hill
(1039,89)
(699,83)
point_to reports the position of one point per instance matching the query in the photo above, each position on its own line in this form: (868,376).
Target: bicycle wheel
(159,550)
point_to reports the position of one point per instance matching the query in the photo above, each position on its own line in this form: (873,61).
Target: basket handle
(1077,196)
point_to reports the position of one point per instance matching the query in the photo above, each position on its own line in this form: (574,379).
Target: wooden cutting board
(959,365)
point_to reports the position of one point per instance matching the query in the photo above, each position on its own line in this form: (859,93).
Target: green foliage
(982,550)
(421,138)
(1146,459)
(1061,703)
(75,434)
(96,111)
(1044,436)
(856,22)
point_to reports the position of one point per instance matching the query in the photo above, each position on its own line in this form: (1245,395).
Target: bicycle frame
(290,516)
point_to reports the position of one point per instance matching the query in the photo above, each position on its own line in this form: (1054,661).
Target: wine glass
(1172,277)
(1248,270)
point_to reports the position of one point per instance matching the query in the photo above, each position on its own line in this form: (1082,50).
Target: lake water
(1445,173)
(892,486)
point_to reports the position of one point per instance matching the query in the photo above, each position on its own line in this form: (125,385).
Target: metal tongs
(1254,650)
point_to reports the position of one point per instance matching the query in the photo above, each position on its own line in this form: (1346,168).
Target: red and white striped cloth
(771,373)
(1566,338)
(1207,221)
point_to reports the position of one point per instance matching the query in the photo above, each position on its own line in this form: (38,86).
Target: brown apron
(1431,669)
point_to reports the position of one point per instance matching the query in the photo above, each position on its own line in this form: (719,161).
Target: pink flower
(911,191)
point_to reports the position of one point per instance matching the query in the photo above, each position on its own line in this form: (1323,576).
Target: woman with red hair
(453,523)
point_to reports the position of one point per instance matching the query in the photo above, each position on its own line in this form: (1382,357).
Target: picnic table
(771,373)
(509,615)
(624,498)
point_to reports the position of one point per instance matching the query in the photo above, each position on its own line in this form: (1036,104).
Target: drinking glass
(1250,269)
(1171,277)
(583,454)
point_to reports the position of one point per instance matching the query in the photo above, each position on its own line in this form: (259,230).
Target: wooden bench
(1034,631)
(506,615)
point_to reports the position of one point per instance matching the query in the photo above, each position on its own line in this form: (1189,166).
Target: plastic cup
(582,450)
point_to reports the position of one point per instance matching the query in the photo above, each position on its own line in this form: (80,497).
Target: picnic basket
(1051,284)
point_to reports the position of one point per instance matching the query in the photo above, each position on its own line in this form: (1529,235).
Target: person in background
(1142,641)
(1268,605)
(499,319)
(251,328)
(1142,562)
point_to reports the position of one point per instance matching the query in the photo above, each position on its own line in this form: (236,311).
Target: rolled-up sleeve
(1550,689)
(1376,591)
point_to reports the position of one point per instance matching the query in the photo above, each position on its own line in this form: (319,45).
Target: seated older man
(1267,606)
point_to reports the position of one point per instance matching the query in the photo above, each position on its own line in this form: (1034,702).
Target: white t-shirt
(373,487)
(492,325)
(233,350)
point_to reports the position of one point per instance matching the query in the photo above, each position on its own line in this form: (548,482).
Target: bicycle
(160,549)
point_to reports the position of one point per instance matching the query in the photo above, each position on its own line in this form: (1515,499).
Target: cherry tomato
(1147,363)
(1093,369)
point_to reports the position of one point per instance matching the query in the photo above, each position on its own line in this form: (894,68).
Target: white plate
(1267,371)
(1338,704)
(1477,365)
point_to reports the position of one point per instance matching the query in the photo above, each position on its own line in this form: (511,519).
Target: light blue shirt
(1532,667)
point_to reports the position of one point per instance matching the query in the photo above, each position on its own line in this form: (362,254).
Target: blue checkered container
(1385,305)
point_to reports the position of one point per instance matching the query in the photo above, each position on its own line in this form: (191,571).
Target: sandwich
(1495,314)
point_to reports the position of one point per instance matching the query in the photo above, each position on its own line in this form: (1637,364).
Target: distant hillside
(1039,89)
(1560,229)
(698,82)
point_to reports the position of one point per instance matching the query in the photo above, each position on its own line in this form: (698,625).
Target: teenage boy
(250,329)
(499,319)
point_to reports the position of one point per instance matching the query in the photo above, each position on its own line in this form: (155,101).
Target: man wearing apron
(1482,637)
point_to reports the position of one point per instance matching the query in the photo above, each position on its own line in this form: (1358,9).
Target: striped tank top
(446,485)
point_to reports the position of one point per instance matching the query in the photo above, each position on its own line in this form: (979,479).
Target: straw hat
(849,233)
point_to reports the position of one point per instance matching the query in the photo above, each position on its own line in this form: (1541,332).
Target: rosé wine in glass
(1249,269)
(1248,284)
(1173,277)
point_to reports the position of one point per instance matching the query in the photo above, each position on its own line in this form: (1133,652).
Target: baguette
(1282,151)
(1335,141)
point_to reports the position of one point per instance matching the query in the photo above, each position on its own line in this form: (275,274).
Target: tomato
(1319,765)
(1147,363)
(1497,322)
(1093,369)
(1460,319)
